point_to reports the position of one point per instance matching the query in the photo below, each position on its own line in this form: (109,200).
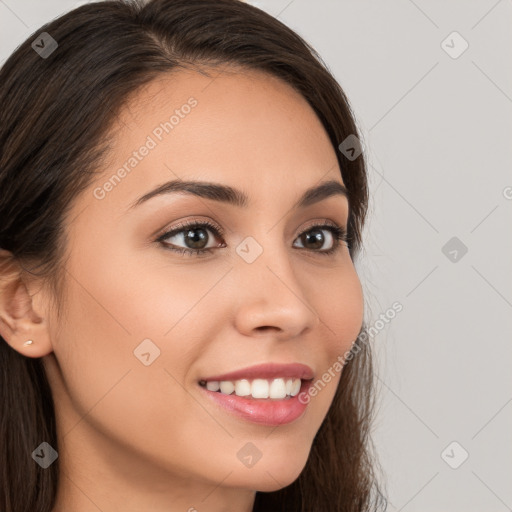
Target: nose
(270,297)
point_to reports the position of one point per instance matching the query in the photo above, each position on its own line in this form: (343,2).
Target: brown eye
(313,239)
(191,238)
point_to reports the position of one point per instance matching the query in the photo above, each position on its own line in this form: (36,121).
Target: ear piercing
(29,342)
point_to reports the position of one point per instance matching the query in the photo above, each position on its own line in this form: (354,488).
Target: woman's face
(145,324)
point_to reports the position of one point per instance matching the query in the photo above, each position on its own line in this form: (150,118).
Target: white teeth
(257,388)
(227,387)
(242,387)
(213,385)
(295,387)
(277,389)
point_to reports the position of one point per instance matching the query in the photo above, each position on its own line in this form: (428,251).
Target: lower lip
(265,411)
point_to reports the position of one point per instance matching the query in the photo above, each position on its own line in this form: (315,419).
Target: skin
(135,437)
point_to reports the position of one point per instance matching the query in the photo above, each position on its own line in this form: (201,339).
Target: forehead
(243,127)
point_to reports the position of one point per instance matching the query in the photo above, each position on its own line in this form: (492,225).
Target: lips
(266,412)
(270,411)
(265,371)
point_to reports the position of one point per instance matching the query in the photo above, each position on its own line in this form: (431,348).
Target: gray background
(436,128)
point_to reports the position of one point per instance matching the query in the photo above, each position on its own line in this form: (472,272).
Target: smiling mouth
(281,388)
(269,402)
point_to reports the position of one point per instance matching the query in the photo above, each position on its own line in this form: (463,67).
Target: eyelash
(339,236)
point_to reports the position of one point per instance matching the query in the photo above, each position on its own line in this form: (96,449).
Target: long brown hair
(57,113)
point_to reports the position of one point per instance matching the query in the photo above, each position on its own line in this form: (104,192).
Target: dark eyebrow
(235,197)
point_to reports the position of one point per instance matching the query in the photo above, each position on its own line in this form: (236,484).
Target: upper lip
(267,371)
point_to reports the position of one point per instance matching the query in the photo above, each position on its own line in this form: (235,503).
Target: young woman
(182,200)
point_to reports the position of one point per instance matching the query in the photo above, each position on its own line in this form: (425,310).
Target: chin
(271,475)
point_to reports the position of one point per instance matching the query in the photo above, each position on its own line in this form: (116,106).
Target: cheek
(118,301)
(110,389)
(340,309)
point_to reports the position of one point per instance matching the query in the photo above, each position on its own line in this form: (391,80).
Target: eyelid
(321,222)
(190,222)
(168,231)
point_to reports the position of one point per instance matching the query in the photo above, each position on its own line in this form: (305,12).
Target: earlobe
(23,328)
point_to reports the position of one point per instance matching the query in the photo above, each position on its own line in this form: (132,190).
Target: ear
(20,317)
